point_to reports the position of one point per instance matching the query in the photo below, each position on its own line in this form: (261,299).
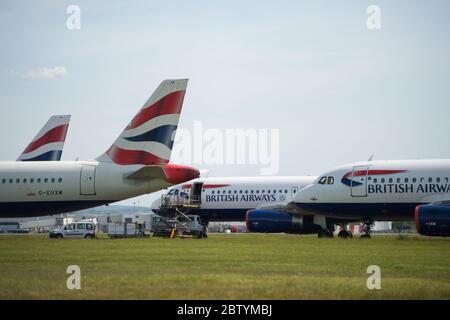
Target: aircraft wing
(440,198)
(289,207)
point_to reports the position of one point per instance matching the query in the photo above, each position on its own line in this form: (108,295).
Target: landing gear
(344,234)
(367,224)
(325,233)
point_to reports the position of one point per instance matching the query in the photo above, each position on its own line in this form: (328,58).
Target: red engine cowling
(433,220)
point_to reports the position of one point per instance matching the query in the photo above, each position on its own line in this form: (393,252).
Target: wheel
(343,234)
(59,236)
(325,234)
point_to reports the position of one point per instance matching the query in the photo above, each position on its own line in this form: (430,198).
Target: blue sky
(337,91)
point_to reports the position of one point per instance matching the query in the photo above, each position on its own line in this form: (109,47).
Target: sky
(336,90)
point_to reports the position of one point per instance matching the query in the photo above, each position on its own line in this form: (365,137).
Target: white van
(80,229)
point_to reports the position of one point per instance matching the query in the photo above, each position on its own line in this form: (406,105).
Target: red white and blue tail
(48,144)
(148,138)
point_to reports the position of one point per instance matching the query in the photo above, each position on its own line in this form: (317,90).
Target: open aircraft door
(196,191)
(359,181)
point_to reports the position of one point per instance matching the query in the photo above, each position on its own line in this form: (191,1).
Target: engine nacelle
(433,220)
(273,221)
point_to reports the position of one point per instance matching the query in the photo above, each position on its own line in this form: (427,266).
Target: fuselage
(229,198)
(42,188)
(378,190)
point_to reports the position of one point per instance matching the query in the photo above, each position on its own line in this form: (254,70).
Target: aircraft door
(87,180)
(359,182)
(196,191)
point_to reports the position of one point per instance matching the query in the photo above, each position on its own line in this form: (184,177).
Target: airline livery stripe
(48,156)
(57,134)
(167,119)
(206,186)
(126,157)
(163,135)
(158,149)
(169,104)
(55,146)
(372,172)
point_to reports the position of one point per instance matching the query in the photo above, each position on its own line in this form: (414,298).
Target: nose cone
(176,174)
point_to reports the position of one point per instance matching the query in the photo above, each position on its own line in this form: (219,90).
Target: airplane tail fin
(148,138)
(48,144)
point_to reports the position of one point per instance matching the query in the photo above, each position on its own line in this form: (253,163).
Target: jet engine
(433,220)
(273,221)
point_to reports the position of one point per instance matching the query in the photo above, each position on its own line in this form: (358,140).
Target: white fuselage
(383,190)
(228,199)
(42,188)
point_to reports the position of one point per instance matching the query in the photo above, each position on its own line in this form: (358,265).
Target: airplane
(48,144)
(369,191)
(229,198)
(137,163)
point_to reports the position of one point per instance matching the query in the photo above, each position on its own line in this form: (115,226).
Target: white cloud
(46,73)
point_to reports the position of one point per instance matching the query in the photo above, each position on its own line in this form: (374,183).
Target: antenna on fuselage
(370,158)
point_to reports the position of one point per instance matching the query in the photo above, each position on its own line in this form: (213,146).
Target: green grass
(241,266)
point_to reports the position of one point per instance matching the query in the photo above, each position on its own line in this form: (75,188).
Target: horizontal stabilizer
(147,173)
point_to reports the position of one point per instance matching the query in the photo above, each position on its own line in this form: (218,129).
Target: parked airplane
(229,199)
(48,144)
(366,191)
(137,163)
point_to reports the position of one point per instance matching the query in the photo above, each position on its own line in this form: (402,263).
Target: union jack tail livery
(48,144)
(148,138)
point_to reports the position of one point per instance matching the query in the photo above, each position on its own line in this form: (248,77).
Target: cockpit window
(176,192)
(171,192)
(326,180)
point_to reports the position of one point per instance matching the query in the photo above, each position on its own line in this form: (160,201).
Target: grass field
(241,266)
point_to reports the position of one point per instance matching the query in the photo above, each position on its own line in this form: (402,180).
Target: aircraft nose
(306,195)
